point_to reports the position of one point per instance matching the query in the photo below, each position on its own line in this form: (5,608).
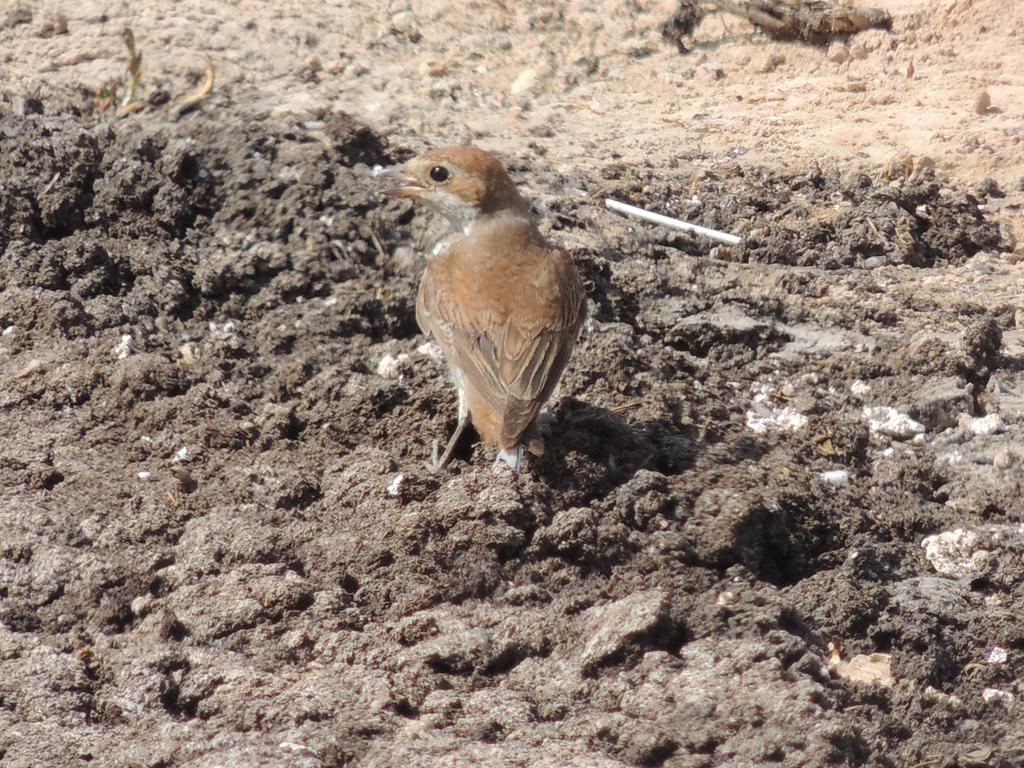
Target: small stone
(1003,459)
(189,353)
(405,23)
(184,478)
(885,420)
(706,74)
(931,693)
(859,387)
(873,669)
(939,402)
(836,477)
(983,103)
(390,366)
(612,627)
(992,424)
(31,367)
(53,26)
(954,553)
(997,655)
(526,81)
(434,68)
(838,52)
(142,604)
(994,694)
(395,486)
(124,347)
(858,51)
(768,63)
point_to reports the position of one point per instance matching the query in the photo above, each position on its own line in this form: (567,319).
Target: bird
(503,304)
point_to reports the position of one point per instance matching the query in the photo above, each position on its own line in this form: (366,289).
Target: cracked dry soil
(219,546)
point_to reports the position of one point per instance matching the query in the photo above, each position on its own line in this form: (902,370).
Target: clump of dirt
(220,539)
(819,217)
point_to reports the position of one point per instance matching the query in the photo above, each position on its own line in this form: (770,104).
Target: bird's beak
(405,185)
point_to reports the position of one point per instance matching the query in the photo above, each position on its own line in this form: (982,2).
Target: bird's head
(462,183)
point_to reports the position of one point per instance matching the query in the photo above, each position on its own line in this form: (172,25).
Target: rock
(612,628)
(572,532)
(767,63)
(872,669)
(1004,459)
(836,477)
(390,366)
(1006,390)
(992,424)
(527,81)
(885,420)
(954,553)
(708,74)
(838,52)
(994,694)
(983,103)
(54,25)
(405,23)
(997,656)
(434,68)
(938,402)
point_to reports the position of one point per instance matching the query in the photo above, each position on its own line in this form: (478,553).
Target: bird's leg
(513,458)
(438,462)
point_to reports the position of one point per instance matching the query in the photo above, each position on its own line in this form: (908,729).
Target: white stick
(668,221)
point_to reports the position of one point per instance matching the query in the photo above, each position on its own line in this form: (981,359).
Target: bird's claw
(513,458)
(433,464)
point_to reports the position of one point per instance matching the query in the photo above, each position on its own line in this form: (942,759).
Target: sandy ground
(768,466)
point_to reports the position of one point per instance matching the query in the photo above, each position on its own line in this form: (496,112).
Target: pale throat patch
(444,244)
(460,213)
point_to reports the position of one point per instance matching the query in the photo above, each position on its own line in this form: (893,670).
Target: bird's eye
(439,173)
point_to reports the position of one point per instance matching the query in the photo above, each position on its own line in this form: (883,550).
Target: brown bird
(502,303)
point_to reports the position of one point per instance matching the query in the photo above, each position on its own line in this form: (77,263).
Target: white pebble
(144,475)
(885,420)
(123,348)
(395,486)
(181,453)
(765,413)
(389,366)
(431,350)
(859,387)
(994,694)
(954,553)
(10,330)
(992,424)
(837,477)
(997,655)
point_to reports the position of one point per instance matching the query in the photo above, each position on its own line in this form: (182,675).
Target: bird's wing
(511,359)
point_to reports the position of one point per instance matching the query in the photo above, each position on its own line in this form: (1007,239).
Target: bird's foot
(434,462)
(513,458)
(438,462)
